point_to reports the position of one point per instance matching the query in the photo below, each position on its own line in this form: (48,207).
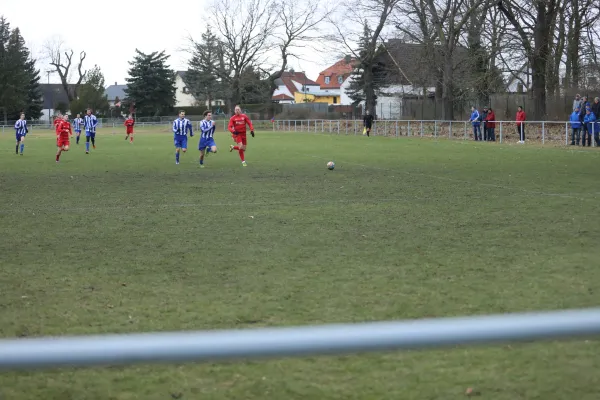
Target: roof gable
(289,77)
(341,69)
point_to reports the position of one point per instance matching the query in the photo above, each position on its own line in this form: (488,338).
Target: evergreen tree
(368,74)
(19,79)
(255,89)
(92,94)
(151,84)
(202,77)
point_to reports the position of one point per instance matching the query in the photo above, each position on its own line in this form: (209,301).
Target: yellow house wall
(299,98)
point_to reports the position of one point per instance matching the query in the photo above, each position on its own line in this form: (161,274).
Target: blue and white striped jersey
(207,128)
(182,126)
(77,122)
(90,122)
(21,127)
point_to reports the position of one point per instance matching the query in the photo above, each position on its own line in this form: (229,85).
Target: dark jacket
(368,121)
(596,109)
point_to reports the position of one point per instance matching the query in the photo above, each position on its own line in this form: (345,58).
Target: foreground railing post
(566,133)
(500,131)
(543,133)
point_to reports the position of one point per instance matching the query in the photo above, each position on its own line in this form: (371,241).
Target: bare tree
(62,61)
(245,42)
(449,18)
(364,43)
(533,23)
(298,29)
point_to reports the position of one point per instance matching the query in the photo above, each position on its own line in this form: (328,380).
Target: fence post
(593,138)
(396,127)
(435,129)
(566,134)
(543,133)
(346,126)
(500,131)
(338,122)
(465,130)
(421,128)
(322,125)
(450,131)
(408,127)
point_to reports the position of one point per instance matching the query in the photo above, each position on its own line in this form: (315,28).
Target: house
(53,97)
(183,94)
(115,94)
(335,79)
(294,87)
(412,70)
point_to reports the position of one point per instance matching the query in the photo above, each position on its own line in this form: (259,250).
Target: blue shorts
(19,136)
(180,141)
(206,142)
(78,131)
(90,134)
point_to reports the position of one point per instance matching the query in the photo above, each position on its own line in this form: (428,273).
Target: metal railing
(544,132)
(295,341)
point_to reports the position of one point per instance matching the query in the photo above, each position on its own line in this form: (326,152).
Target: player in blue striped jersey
(207,140)
(77,123)
(90,121)
(181,126)
(20,131)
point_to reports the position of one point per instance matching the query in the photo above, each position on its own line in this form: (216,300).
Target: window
(327,79)
(334,100)
(340,80)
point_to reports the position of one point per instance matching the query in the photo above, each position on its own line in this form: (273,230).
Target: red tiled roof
(282,97)
(287,77)
(341,68)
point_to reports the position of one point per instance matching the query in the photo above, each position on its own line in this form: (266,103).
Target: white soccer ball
(330,165)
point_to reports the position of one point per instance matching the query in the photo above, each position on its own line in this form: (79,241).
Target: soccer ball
(330,165)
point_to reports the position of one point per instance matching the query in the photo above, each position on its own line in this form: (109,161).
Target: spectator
(596,107)
(575,126)
(582,107)
(483,116)
(476,121)
(490,123)
(521,124)
(577,102)
(591,127)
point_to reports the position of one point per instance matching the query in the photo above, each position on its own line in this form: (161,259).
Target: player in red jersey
(64,133)
(129,122)
(57,121)
(237,127)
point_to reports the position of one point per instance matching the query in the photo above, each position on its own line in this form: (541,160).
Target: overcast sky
(111,31)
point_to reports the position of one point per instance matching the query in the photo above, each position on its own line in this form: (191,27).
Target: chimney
(115,83)
(347,59)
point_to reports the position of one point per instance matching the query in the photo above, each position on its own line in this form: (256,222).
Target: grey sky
(110,31)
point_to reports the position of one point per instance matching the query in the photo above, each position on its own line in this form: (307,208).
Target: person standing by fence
(582,108)
(521,124)
(483,119)
(476,121)
(575,127)
(490,124)
(591,126)
(368,123)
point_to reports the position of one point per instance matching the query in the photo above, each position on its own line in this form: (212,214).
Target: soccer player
(57,121)
(20,131)
(90,122)
(181,126)
(62,138)
(237,127)
(77,122)
(207,140)
(129,122)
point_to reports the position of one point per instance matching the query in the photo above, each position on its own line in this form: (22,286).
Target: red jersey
(63,129)
(237,124)
(57,123)
(129,125)
(520,117)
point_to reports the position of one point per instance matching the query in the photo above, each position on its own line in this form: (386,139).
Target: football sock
(94,141)
(241,154)
(87,146)
(22,147)
(201,160)
(131,138)
(17,149)
(77,139)
(236,147)
(57,156)
(177,156)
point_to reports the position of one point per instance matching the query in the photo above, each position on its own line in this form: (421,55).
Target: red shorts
(62,141)
(240,138)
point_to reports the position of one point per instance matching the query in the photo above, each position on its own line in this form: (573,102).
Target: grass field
(123,240)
